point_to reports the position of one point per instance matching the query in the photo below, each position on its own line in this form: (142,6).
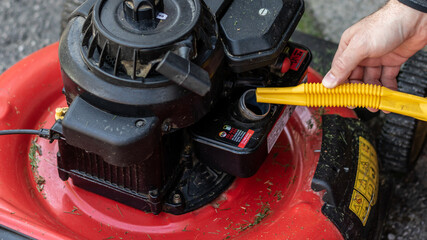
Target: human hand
(373,50)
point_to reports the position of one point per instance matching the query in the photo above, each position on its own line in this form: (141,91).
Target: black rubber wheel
(402,137)
(69,7)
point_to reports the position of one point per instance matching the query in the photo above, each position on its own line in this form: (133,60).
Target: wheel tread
(398,131)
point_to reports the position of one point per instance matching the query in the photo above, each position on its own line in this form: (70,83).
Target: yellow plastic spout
(352,94)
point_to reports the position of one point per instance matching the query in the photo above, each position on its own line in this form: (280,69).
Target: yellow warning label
(366,186)
(360,206)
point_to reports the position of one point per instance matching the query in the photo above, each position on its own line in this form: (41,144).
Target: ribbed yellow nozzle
(355,95)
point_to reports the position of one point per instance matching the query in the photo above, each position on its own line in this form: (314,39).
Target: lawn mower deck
(276,203)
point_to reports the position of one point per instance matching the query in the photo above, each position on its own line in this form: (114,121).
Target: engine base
(192,185)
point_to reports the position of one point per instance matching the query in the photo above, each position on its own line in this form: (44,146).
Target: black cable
(41,132)
(20,131)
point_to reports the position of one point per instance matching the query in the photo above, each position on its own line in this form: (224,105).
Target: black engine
(162,111)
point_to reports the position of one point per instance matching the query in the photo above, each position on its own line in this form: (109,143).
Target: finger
(388,77)
(345,39)
(355,81)
(357,74)
(372,75)
(372,109)
(343,65)
(390,59)
(371,62)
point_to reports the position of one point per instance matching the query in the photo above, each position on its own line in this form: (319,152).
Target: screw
(263,11)
(153,193)
(140,123)
(176,198)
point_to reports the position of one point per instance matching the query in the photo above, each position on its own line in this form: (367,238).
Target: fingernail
(329,81)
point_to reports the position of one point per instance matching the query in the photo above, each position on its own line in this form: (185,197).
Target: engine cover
(144,79)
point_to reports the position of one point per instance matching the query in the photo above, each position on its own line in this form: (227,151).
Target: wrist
(418,24)
(411,21)
(422,27)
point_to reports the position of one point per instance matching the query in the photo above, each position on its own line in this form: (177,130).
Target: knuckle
(347,33)
(340,65)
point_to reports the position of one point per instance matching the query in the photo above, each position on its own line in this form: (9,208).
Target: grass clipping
(35,150)
(264,211)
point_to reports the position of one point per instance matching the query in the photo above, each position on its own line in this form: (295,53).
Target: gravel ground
(25,27)
(335,16)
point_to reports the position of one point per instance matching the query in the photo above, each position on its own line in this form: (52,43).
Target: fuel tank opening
(250,108)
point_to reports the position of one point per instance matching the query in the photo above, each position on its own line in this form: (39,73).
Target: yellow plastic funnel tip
(352,94)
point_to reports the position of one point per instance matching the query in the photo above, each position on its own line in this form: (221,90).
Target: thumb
(342,66)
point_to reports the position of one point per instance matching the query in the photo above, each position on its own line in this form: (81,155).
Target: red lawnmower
(150,129)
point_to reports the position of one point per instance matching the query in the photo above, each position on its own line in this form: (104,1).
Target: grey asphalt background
(335,16)
(26,26)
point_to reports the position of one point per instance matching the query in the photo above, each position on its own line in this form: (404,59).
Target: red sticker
(297,58)
(246,139)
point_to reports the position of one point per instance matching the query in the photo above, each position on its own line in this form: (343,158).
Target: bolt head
(140,123)
(177,198)
(263,11)
(153,193)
